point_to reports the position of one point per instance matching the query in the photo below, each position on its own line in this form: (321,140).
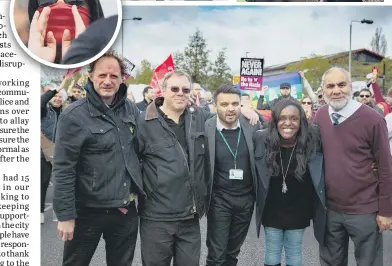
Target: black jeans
(46,171)
(228,221)
(119,232)
(162,241)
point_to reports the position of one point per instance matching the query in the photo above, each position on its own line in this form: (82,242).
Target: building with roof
(365,56)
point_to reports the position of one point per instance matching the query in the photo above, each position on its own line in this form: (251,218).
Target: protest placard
(251,75)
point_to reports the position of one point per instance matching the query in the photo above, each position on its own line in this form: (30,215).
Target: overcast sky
(279,34)
(109,7)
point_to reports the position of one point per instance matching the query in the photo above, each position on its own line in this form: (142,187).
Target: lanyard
(228,146)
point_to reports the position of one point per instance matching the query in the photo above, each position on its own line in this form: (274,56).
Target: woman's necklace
(284,186)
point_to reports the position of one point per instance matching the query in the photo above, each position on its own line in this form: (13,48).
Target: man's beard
(338,105)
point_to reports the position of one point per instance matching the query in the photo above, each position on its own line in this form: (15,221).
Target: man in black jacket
(285,92)
(96,169)
(232,183)
(171,140)
(148,94)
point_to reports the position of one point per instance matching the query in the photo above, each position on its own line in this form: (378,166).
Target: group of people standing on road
(182,162)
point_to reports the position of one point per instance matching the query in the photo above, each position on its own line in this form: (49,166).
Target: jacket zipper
(189,171)
(55,125)
(193,195)
(187,165)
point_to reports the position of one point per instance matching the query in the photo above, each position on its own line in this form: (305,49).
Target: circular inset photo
(65,33)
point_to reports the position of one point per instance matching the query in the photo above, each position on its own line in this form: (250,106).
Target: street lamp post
(122,31)
(363,21)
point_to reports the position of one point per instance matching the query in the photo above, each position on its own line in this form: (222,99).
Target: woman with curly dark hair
(289,164)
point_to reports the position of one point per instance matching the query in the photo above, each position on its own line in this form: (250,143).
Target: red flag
(159,72)
(71,71)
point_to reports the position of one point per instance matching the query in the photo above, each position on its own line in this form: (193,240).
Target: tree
(316,66)
(144,75)
(379,42)
(194,60)
(178,59)
(220,72)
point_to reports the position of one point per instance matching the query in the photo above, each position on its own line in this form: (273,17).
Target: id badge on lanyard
(234,174)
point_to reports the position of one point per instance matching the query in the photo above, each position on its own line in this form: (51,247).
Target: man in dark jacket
(148,94)
(96,169)
(365,97)
(285,92)
(171,140)
(231,178)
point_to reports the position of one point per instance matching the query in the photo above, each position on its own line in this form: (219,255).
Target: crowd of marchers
(157,167)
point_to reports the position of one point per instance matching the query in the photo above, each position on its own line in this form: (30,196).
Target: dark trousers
(119,232)
(46,171)
(228,221)
(162,241)
(363,231)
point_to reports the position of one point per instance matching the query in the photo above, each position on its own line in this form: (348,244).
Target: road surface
(252,252)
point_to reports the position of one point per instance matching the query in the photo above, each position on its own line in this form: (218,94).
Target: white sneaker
(42,217)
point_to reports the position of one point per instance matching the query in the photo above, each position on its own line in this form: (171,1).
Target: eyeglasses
(362,96)
(44,3)
(177,89)
(308,103)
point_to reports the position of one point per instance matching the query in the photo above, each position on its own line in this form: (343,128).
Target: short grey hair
(175,72)
(333,69)
(64,96)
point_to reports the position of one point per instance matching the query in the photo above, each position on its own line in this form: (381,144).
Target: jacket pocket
(103,138)
(199,143)
(130,126)
(164,150)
